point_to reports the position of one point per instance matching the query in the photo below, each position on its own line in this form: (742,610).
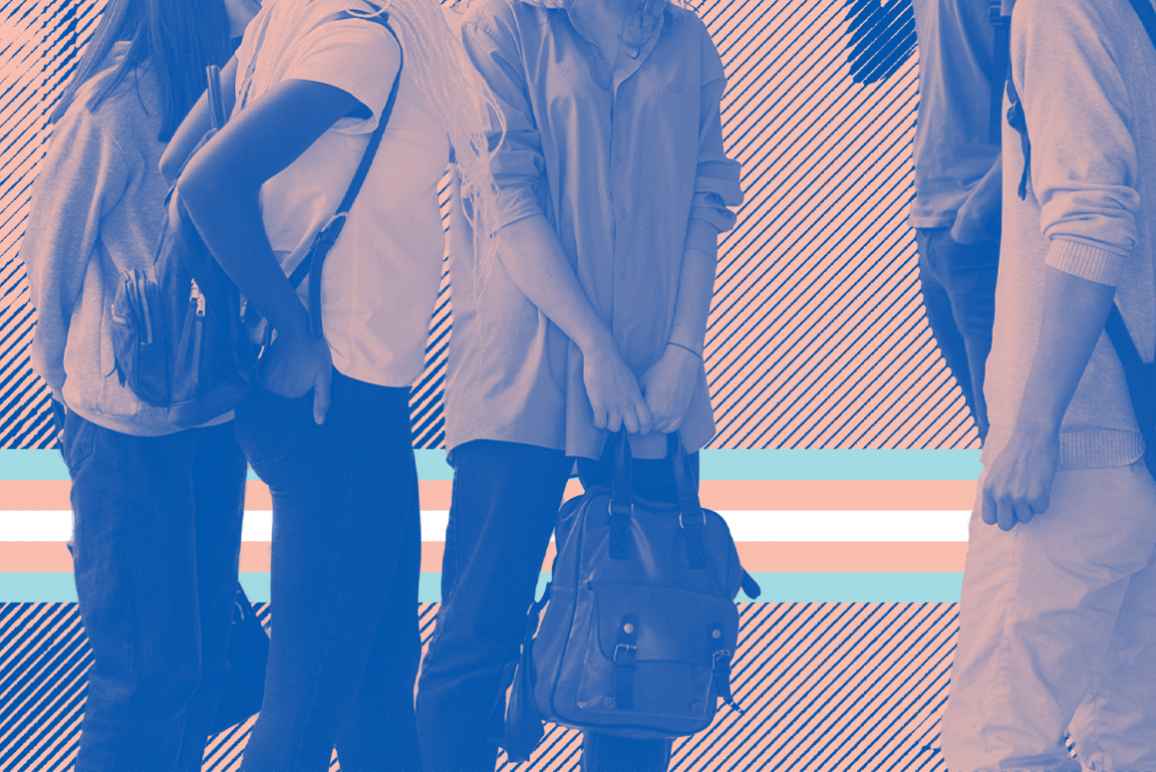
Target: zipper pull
(197,297)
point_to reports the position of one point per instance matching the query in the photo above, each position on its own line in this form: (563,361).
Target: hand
(613,391)
(1018,485)
(669,386)
(294,364)
(978,219)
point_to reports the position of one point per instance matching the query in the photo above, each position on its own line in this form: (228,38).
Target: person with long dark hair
(581,311)
(157,510)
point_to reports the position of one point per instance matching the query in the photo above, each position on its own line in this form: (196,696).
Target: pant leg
(378,730)
(1038,609)
(505,501)
(218,478)
(136,582)
(941,316)
(339,493)
(968,273)
(1115,728)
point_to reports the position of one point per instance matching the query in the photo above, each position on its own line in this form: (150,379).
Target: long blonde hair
(436,62)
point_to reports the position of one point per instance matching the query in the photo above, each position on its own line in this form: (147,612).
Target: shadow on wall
(882,38)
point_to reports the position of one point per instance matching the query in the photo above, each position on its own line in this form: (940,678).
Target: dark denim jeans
(156,543)
(958,283)
(505,501)
(346,552)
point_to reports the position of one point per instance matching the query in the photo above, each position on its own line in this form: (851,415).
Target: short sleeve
(358,56)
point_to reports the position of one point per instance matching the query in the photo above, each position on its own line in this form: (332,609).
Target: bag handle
(691,518)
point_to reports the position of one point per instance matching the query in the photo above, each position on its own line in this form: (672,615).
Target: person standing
(328,429)
(1058,614)
(580,310)
(956,211)
(157,510)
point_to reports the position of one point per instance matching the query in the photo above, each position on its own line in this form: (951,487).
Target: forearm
(195,125)
(532,256)
(229,221)
(1075,313)
(695,289)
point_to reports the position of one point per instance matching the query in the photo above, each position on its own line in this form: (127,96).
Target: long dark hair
(177,38)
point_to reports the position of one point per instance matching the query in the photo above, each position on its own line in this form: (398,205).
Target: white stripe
(746,525)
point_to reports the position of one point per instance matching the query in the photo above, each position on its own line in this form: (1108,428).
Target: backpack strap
(625,658)
(621,497)
(330,232)
(691,518)
(1001,62)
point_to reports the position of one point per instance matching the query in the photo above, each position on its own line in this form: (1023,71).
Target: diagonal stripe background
(817,337)
(855,686)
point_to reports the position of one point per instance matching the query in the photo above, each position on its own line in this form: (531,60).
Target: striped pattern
(816,337)
(824,686)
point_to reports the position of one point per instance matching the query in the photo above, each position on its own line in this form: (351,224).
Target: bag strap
(327,236)
(691,518)
(1147,14)
(1001,62)
(625,659)
(621,496)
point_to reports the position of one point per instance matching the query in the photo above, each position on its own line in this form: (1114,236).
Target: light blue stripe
(777,587)
(716,465)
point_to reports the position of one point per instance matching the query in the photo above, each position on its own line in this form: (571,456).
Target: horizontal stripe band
(718,494)
(716,465)
(745,525)
(807,557)
(789,587)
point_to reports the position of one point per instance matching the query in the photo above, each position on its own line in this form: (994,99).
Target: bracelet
(685,348)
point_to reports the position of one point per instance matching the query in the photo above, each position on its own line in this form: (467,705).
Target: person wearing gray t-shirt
(957,162)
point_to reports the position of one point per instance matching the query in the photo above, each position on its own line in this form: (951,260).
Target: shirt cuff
(514,206)
(1086,261)
(702,237)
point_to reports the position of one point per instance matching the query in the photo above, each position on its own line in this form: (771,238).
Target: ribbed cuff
(1094,448)
(1086,261)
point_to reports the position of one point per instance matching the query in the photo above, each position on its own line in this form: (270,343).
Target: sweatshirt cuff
(1086,261)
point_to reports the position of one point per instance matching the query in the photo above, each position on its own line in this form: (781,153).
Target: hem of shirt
(1098,448)
(931,222)
(134,426)
(385,379)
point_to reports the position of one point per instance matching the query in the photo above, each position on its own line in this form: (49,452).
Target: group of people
(585,144)
(585,141)
(1035,166)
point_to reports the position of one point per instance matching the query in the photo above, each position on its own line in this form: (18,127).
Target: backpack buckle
(700,522)
(625,654)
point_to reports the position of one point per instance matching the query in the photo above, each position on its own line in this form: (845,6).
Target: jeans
(346,556)
(1058,632)
(156,544)
(958,285)
(505,502)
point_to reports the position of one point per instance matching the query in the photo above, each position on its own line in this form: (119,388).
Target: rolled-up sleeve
(717,185)
(517,166)
(1084,164)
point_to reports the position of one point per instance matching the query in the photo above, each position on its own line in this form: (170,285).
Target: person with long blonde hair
(580,311)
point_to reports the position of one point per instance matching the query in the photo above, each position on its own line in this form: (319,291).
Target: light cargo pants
(1058,633)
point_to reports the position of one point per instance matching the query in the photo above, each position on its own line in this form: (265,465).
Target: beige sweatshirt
(1086,74)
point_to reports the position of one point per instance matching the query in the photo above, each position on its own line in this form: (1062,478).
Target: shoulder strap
(329,233)
(1147,14)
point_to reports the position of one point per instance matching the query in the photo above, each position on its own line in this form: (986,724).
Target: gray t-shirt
(955,141)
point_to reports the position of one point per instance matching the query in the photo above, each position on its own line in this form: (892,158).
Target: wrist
(596,341)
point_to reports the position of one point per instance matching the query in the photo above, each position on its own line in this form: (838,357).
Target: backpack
(640,623)
(183,337)
(1139,376)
